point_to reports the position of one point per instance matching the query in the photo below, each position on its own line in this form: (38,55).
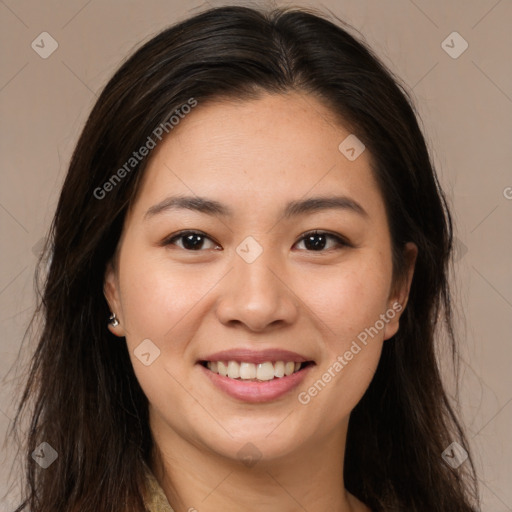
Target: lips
(230,372)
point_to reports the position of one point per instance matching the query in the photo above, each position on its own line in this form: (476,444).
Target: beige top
(157,501)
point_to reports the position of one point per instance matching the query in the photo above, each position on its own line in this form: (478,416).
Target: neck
(195,478)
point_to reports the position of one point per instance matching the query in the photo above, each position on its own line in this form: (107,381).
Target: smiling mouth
(251,372)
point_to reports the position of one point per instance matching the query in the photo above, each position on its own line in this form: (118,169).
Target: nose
(257,295)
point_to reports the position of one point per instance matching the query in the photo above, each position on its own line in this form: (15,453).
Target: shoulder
(156,500)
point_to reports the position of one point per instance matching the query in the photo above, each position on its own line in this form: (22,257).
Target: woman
(248,266)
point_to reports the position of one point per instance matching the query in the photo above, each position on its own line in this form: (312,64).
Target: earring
(113,321)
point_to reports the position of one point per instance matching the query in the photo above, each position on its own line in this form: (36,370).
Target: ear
(112,294)
(400,292)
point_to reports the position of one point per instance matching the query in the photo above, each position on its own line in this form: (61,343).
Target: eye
(192,240)
(317,241)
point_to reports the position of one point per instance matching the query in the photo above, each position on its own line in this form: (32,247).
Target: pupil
(310,242)
(193,241)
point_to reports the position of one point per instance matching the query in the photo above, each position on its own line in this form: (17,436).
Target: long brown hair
(87,403)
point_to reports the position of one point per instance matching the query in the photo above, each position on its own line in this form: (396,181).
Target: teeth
(247,370)
(289,368)
(265,371)
(250,371)
(233,370)
(222,369)
(279,369)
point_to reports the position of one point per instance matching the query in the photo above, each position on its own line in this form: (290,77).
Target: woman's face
(258,177)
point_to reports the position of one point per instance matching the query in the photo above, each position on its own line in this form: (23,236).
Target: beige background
(465,104)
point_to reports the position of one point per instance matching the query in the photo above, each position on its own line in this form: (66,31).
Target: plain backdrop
(463,97)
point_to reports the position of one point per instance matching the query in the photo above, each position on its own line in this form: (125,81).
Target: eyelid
(169,239)
(340,240)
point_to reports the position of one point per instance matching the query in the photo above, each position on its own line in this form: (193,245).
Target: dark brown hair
(87,403)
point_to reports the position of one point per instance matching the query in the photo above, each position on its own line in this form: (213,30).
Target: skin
(254,156)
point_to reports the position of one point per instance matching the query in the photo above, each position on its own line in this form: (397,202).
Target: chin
(264,443)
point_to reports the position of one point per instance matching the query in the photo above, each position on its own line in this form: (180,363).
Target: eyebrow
(292,209)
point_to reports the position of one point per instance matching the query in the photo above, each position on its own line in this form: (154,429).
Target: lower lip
(257,392)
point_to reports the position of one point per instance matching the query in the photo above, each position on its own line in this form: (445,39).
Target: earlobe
(393,314)
(111,293)
(411,254)
(398,301)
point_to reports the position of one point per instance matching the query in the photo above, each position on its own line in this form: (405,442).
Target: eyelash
(341,242)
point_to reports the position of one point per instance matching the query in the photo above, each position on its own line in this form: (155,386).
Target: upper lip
(253,356)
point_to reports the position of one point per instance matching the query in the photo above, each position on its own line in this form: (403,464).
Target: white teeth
(250,371)
(223,369)
(265,371)
(247,370)
(279,369)
(233,370)
(289,368)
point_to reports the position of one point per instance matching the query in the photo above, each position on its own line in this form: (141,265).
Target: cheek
(349,303)
(157,295)
(158,302)
(348,300)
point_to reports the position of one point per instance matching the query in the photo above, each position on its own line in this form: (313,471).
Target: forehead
(249,153)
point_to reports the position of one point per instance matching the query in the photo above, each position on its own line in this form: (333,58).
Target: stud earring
(113,321)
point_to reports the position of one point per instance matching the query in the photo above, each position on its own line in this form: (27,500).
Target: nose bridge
(257,277)
(256,294)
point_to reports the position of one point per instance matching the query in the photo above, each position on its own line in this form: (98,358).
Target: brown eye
(190,241)
(318,240)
